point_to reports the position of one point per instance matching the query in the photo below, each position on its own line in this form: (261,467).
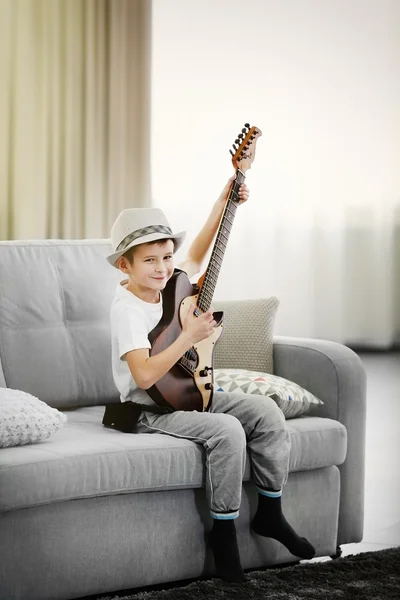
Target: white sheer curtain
(321,79)
(74,115)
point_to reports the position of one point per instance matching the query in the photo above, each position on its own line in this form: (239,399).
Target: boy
(144,245)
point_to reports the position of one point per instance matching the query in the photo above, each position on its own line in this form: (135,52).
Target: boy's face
(152,265)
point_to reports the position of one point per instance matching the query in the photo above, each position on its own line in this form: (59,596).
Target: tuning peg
(247,125)
(234,147)
(237,141)
(244,130)
(241,136)
(233,154)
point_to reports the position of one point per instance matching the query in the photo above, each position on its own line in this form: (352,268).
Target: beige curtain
(74,115)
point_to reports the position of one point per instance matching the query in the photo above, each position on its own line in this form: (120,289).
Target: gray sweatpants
(234,421)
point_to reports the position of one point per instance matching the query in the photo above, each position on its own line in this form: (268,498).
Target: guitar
(189,384)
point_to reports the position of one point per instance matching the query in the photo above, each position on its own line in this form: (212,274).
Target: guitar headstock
(245,147)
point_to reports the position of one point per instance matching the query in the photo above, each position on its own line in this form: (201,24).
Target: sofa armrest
(335,374)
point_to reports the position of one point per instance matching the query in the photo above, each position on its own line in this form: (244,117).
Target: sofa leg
(338,553)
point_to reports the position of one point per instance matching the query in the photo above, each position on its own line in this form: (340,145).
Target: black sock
(222,539)
(269,521)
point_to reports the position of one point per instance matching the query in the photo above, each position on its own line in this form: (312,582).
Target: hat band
(141,233)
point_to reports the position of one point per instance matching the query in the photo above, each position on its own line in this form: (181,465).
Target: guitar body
(188,385)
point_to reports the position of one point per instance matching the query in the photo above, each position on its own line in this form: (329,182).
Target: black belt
(124,415)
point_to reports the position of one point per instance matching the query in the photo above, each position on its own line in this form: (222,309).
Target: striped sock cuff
(269,494)
(224,516)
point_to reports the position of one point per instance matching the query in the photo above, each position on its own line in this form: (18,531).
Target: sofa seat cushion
(85,459)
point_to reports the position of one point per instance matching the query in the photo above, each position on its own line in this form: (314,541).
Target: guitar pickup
(187,365)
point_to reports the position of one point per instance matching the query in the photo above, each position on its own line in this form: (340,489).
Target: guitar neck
(214,266)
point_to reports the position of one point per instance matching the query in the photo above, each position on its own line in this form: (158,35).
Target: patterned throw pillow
(291,398)
(24,419)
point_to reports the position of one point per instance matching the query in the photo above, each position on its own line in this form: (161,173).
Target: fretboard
(214,266)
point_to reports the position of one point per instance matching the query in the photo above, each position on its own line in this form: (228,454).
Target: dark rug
(367,576)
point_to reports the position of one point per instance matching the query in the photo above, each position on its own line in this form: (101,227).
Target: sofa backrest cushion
(55,298)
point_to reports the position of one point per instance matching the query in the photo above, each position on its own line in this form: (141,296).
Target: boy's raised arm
(200,246)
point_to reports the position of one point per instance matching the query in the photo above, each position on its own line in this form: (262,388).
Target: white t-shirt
(132,319)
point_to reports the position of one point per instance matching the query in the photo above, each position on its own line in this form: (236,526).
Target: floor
(382,482)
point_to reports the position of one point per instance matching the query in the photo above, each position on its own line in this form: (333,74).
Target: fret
(211,267)
(221,244)
(208,279)
(208,291)
(224,224)
(230,205)
(218,253)
(217,264)
(219,237)
(219,240)
(230,213)
(240,177)
(206,287)
(212,276)
(210,285)
(215,251)
(209,294)
(210,282)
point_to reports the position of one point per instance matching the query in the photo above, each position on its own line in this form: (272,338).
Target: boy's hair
(130,253)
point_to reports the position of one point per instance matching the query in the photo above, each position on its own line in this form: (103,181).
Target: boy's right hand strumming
(147,370)
(198,328)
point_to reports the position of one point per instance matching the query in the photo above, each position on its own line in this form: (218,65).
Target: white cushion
(291,398)
(24,419)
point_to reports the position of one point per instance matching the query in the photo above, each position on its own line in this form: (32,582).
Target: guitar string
(191,353)
(209,275)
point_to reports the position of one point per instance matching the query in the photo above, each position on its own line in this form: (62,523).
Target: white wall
(321,79)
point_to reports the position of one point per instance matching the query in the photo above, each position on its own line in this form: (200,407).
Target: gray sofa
(92,510)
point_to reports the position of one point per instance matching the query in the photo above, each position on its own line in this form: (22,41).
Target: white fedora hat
(135,226)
